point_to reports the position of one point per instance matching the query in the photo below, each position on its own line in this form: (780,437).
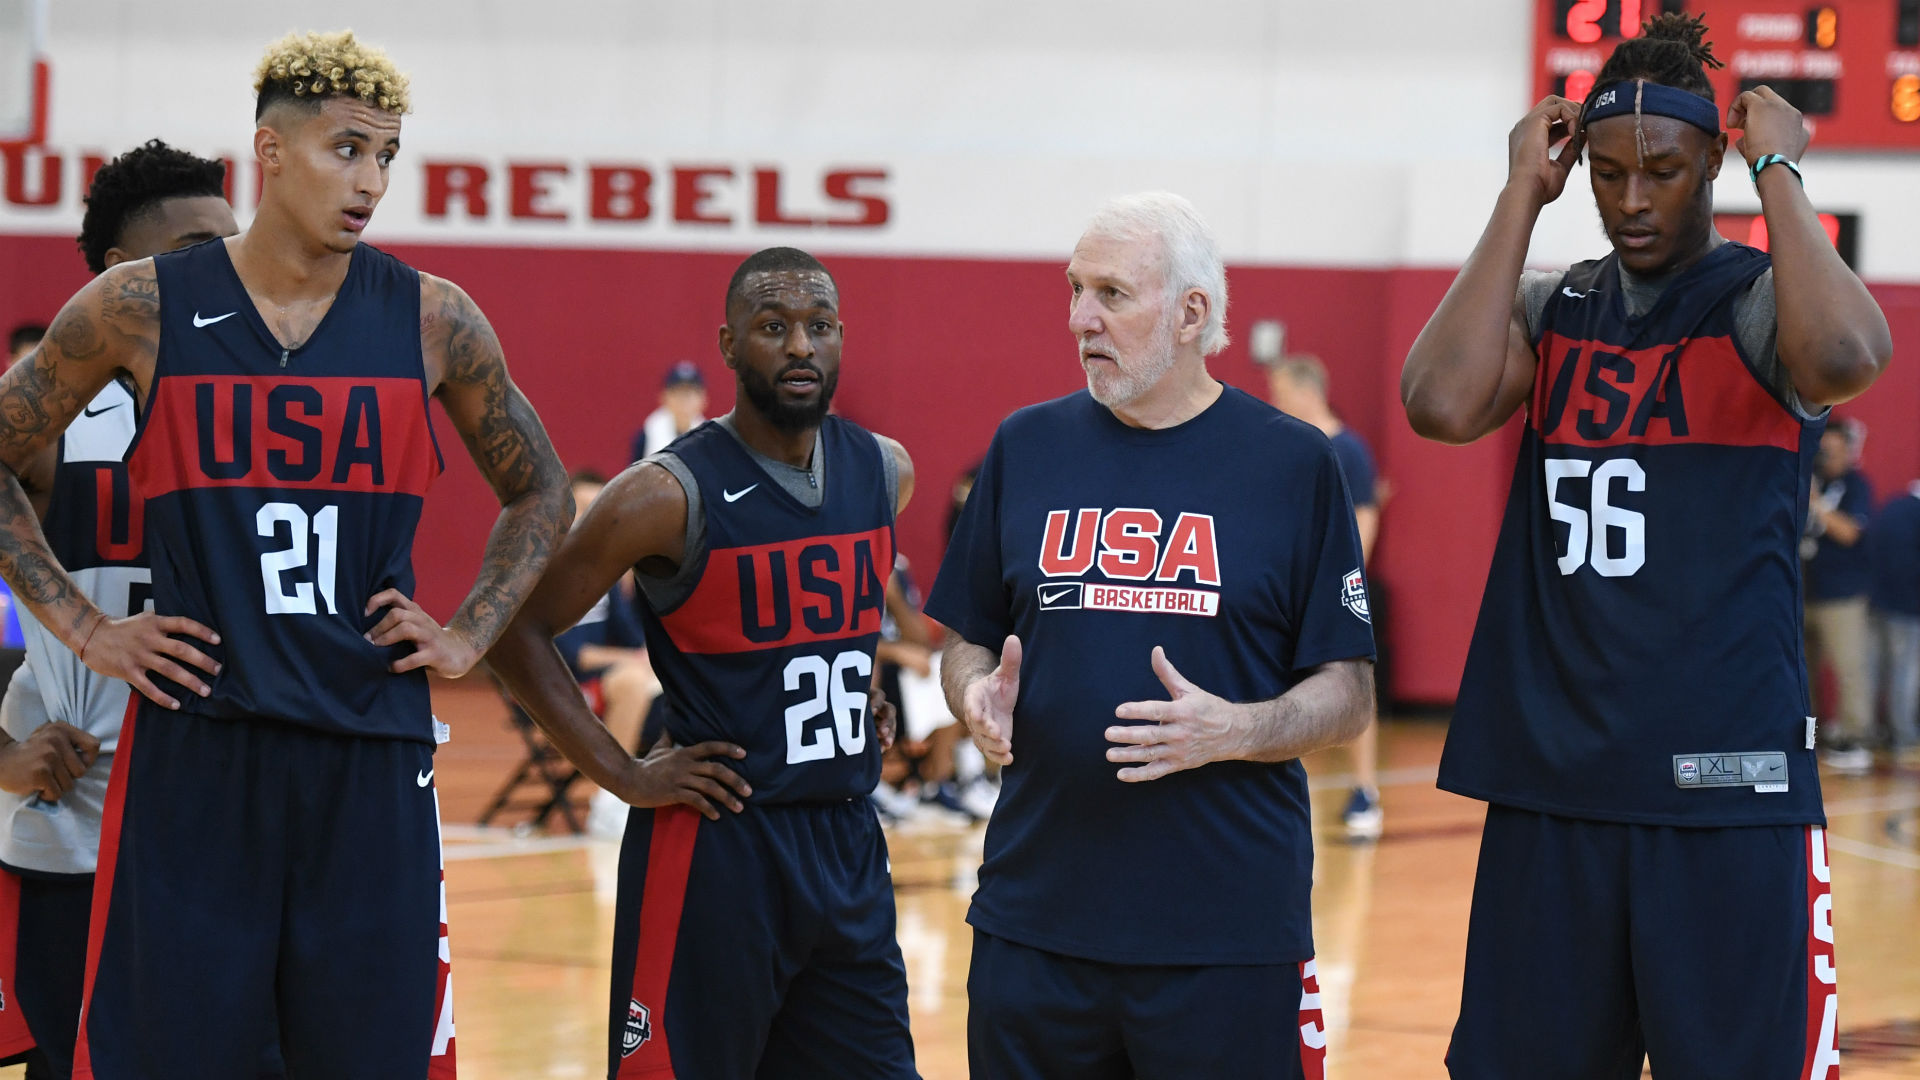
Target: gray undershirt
(1755,320)
(807,485)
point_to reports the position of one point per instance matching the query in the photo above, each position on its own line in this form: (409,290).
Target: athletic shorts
(253,869)
(1594,946)
(1039,1015)
(757,946)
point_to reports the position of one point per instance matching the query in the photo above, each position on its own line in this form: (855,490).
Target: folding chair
(544,772)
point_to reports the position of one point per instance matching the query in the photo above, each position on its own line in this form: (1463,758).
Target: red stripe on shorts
(1313,1025)
(14,1036)
(103,879)
(1823,1008)
(669,857)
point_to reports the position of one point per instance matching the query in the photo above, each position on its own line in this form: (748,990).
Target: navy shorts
(1039,1015)
(254,868)
(1594,946)
(759,945)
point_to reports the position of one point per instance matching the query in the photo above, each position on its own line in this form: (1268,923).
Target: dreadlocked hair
(133,184)
(1672,50)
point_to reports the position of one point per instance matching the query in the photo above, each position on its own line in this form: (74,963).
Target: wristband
(1775,159)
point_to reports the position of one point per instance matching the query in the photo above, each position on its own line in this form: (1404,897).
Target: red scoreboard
(1852,67)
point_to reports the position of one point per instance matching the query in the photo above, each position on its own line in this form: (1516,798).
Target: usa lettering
(827,588)
(1607,391)
(291,433)
(1130,544)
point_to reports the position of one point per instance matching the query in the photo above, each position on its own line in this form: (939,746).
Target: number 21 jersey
(283,487)
(1638,655)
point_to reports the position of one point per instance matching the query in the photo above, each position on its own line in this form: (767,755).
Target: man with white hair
(1143,905)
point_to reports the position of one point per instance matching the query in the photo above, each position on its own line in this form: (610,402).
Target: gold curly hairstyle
(313,66)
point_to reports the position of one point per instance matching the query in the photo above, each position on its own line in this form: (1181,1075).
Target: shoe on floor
(1363,816)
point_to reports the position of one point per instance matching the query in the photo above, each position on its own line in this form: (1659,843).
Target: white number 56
(1587,530)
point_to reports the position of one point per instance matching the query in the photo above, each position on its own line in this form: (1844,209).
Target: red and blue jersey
(773,648)
(1638,654)
(1228,540)
(282,488)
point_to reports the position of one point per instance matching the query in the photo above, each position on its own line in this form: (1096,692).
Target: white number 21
(275,564)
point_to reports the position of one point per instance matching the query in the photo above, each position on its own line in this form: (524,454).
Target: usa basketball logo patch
(638,1030)
(1353,596)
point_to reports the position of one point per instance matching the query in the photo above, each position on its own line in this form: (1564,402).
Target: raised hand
(1189,731)
(1531,163)
(1767,125)
(435,647)
(128,649)
(47,762)
(689,775)
(989,702)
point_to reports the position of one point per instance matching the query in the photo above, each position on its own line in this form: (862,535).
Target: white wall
(1309,133)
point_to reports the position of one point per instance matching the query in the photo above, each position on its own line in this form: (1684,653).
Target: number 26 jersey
(283,487)
(1638,655)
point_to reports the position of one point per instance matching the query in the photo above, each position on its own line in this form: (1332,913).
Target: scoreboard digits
(1852,69)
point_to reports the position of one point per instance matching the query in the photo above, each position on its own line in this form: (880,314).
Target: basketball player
(57,714)
(1653,874)
(270,843)
(754,931)
(1116,596)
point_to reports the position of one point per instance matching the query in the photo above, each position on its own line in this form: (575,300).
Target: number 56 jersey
(1638,655)
(772,646)
(282,488)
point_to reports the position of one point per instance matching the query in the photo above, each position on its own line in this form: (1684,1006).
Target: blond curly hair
(313,66)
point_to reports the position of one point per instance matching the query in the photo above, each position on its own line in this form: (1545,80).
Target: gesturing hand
(1767,125)
(1530,158)
(886,718)
(47,762)
(1185,733)
(672,774)
(435,647)
(129,648)
(989,701)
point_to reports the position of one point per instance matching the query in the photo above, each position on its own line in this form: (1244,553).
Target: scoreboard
(1852,67)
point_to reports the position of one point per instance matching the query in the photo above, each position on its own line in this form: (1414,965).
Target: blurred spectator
(605,651)
(683,407)
(1838,577)
(962,487)
(1297,386)
(1893,550)
(22,340)
(933,768)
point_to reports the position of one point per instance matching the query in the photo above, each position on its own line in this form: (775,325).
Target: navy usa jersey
(1638,655)
(1228,540)
(773,649)
(283,487)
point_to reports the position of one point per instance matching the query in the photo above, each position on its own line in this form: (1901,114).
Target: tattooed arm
(110,327)
(468,373)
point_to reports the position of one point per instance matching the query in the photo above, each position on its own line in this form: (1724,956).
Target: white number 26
(828,693)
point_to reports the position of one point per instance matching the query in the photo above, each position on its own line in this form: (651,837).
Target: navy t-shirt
(1356,464)
(1228,540)
(1836,571)
(1893,550)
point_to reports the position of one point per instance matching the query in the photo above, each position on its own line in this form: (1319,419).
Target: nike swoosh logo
(424,778)
(1046,599)
(736,496)
(198,321)
(1566,291)
(97,412)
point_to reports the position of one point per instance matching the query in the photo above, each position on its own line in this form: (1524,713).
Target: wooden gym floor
(531,919)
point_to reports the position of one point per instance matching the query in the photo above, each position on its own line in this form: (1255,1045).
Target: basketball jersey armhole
(666,595)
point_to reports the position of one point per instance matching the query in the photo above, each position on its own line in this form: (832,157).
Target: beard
(787,416)
(1136,374)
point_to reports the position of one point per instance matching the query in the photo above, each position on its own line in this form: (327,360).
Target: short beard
(787,417)
(1137,375)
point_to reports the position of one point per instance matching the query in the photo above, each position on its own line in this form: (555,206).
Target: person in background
(22,340)
(1297,386)
(1893,555)
(933,749)
(1838,576)
(683,407)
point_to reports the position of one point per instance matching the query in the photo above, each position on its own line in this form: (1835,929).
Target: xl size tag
(1762,770)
